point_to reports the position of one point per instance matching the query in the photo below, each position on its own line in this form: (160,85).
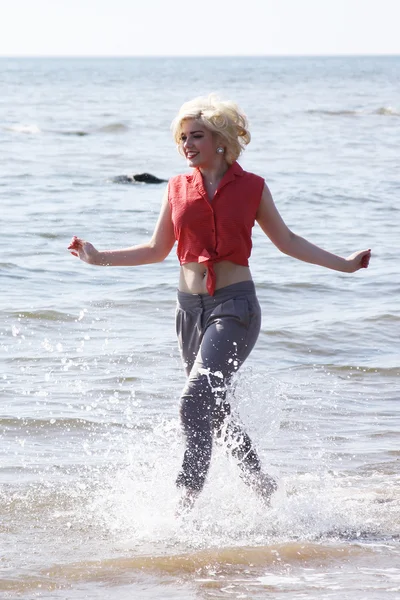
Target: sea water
(91,374)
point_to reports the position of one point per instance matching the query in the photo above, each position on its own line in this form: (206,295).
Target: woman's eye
(196,137)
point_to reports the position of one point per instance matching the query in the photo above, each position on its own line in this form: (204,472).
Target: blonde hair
(223,118)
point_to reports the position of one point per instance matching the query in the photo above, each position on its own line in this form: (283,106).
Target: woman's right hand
(84,250)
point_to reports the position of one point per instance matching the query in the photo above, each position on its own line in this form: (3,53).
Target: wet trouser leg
(216,334)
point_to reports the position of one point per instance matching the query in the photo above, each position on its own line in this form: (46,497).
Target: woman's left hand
(358,260)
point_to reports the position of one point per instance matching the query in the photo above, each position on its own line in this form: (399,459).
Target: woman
(210,213)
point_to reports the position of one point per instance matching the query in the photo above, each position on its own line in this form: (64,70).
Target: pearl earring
(220,150)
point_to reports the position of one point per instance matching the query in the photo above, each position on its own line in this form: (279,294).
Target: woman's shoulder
(178,185)
(253,180)
(246,175)
(180,179)
(253,176)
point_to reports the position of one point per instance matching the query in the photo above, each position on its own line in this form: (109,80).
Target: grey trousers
(216,334)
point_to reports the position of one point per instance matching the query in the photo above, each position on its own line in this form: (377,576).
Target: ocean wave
(114,128)
(27,423)
(44,315)
(65,424)
(23,128)
(275,576)
(78,132)
(332,113)
(386,317)
(109,128)
(295,286)
(362,371)
(33,129)
(225,559)
(51,236)
(386,111)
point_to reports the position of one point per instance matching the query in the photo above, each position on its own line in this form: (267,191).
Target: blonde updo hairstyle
(223,118)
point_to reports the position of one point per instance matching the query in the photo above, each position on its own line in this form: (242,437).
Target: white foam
(23,128)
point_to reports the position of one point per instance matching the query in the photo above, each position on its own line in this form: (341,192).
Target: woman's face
(198,144)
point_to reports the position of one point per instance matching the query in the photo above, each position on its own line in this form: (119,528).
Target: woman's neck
(213,175)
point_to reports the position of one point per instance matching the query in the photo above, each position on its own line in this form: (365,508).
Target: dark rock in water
(148,178)
(123,179)
(140,178)
(78,133)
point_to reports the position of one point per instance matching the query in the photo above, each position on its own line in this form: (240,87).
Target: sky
(198,28)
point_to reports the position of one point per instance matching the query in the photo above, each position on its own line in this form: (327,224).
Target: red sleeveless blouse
(209,232)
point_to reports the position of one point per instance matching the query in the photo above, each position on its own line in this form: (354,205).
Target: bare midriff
(193,276)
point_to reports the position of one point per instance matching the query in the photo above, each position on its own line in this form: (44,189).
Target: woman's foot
(264,486)
(187,501)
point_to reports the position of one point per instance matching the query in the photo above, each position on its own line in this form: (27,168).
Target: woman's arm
(288,242)
(155,250)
